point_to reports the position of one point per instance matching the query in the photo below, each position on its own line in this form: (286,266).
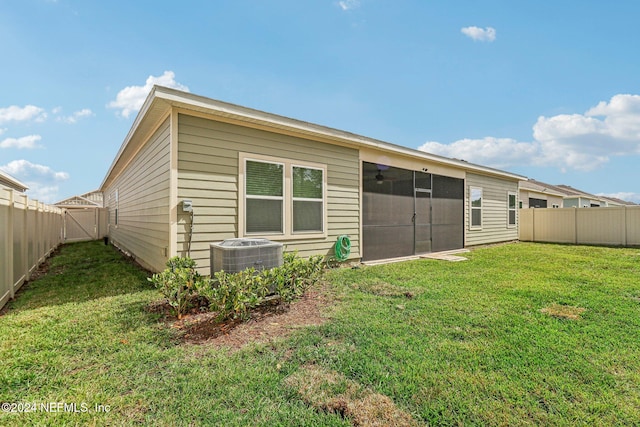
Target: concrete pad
(445,255)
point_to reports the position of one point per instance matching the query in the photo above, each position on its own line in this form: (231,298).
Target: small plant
(178,283)
(294,276)
(233,295)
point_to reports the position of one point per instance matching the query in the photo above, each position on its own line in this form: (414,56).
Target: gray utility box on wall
(234,255)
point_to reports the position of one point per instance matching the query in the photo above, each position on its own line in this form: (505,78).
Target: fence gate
(84,224)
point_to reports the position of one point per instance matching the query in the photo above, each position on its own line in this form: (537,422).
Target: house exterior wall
(552,200)
(494,211)
(209,173)
(138,202)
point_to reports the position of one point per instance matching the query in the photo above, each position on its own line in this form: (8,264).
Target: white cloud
(130,99)
(589,140)
(42,180)
(621,116)
(85,112)
(489,151)
(24,170)
(28,142)
(487,34)
(349,4)
(568,141)
(14,113)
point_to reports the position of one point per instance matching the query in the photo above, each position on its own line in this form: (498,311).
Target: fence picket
(29,232)
(614,226)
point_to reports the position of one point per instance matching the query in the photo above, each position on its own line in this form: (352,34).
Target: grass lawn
(520,334)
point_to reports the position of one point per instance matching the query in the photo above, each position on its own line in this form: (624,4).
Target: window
(537,203)
(264,197)
(282,197)
(512,209)
(308,199)
(117,203)
(476,207)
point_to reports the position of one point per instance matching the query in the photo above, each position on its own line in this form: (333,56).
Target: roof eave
(13,182)
(213,107)
(163,98)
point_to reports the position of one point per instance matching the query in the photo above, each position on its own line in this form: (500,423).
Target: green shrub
(294,276)
(178,283)
(233,295)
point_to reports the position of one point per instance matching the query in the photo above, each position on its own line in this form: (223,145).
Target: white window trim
(287,233)
(472,208)
(514,209)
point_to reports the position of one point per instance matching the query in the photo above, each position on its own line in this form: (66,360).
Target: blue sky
(546,89)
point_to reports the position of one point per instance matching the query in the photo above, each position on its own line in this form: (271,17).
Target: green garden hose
(342,248)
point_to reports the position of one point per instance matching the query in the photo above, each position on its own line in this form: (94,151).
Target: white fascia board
(13,182)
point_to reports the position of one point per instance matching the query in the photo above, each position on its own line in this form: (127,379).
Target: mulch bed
(266,323)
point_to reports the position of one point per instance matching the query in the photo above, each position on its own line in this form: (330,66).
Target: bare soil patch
(563,311)
(268,322)
(329,391)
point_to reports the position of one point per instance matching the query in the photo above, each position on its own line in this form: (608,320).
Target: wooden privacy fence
(615,226)
(29,232)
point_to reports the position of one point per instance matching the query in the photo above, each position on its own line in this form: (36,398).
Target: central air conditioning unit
(235,255)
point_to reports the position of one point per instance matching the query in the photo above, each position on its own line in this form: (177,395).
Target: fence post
(575,225)
(9,245)
(25,239)
(533,225)
(626,226)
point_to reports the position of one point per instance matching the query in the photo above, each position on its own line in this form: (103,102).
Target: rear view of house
(193,171)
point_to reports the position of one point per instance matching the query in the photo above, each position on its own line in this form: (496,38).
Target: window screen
(264,190)
(476,207)
(307,199)
(512,209)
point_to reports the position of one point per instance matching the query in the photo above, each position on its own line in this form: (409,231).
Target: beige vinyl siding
(208,174)
(495,213)
(143,203)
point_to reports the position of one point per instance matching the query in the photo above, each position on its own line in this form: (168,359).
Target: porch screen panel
(447,205)
(387,214)
(423,222)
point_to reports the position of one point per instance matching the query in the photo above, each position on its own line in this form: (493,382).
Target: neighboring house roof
(570,191)
(93,199)
(9,181)
(161,100)
(566,191)
(541,187)
(616,201)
